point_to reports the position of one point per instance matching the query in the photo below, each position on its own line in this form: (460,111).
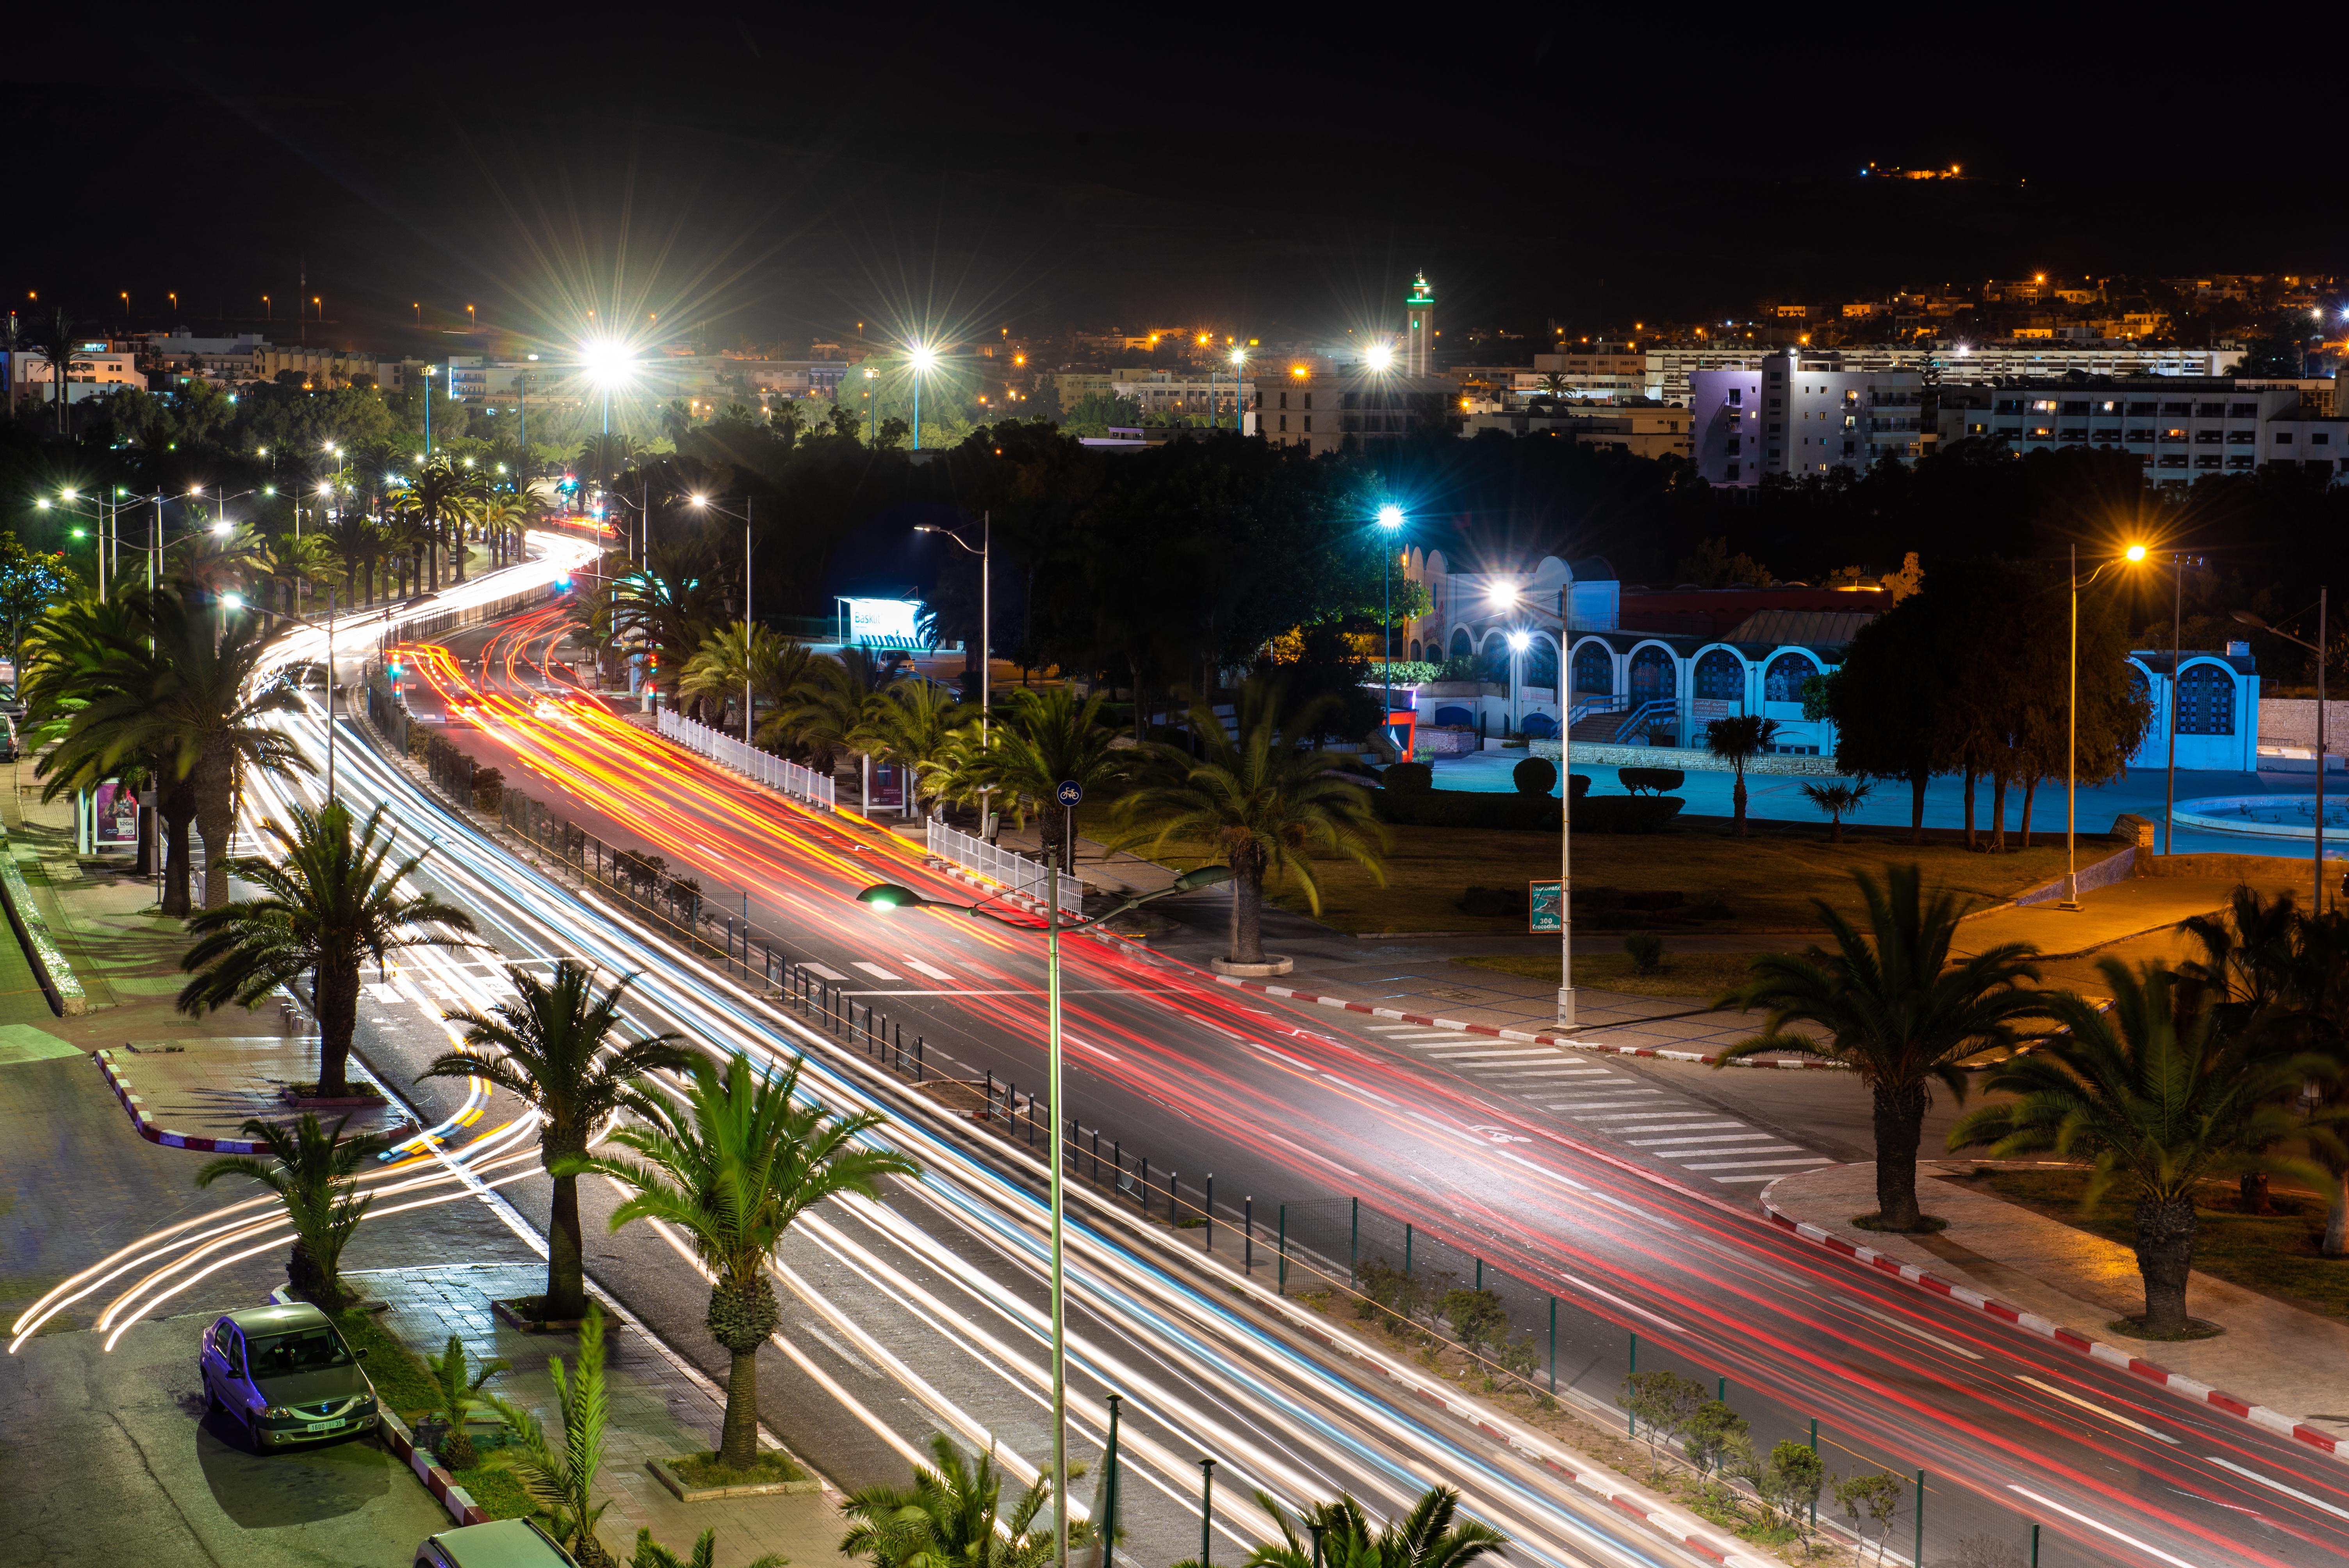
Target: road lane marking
(921,968)
(2099,1409)
(1533,1073)
(2278,1485)
(1910,1329)
(1761,1178)
(1491,1056)
(824,972)
(1771,1139)
(2098,1525)
(1756,1164)
(874,970)
(1685,1126)
(1635,1115)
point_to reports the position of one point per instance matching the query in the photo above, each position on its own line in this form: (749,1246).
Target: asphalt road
(1623,1192)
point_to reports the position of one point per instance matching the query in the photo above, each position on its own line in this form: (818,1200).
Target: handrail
(761,767)
(1016,871)
(1639,716)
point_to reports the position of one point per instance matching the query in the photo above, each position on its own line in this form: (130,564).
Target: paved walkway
(2271,1354)
(659,1407)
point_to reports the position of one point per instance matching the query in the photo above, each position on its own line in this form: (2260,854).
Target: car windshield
(305,1350)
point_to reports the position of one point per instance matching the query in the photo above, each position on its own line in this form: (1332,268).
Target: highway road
(922,1311)
(1567,1176)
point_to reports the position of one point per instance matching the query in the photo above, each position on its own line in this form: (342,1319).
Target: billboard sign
(881,620)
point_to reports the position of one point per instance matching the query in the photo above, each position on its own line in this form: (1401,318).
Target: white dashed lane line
(919,967)
(875,971)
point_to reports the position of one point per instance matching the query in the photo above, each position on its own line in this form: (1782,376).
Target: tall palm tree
(953,1514)
(1047,736)
(918,724)
(1432,1535)
(439,501)
(58,344)
(312,1177)
(84,652)
(329,905)
(553,1048)
(607,455)
(828,707)
(1738,741)
(733,1168)
(2161,1094)
(1889,1004)
(1259,800)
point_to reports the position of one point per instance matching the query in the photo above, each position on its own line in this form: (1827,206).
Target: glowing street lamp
(703,500)
(888,897)
(2132,554)
(1381,356)
(1390,521)
(607,365)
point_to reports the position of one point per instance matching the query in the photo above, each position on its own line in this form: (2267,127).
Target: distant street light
(890,897)
(1389,520)
(921,357)
(703,500)
(2135,552)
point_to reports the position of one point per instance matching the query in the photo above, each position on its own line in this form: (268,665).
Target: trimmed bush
(1409,776)
(1646,953)
(1534,776)
(1650,781)
(1531,813)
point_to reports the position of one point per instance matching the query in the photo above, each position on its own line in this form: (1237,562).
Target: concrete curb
(1531,1036)
(438,1481)
(149,1131)
(2071,1339)
(56,975)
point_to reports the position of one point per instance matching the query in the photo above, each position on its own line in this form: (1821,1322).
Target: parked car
(500,1543)
(286,1375)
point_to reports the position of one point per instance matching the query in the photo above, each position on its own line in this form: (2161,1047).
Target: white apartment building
(2041,357)
(1317,405)
(1643,430)
(97,369)
(1186,392)
(2181,428)
(1803,413)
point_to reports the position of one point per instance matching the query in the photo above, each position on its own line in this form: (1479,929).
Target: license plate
(324,1425)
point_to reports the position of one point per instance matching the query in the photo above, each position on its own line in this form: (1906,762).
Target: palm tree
(651,1554)
(729,662)
(551,1048)
(828,707)
(329,905)
(1737,741)
(732,1169)
(1432,1535)
(312,1177)
(439,501)
(953,1514)
(57,346)
(454,1394)
(916,724)
(562,1482)
(1838,801)
(2160,1094)
(1258,801)
(1893,1009)
(1047,736)
(607,455)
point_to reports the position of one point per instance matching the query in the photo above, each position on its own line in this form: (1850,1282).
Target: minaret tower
(1418,329)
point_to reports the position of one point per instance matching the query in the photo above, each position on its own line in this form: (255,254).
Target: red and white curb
(1528,1037)
(1034,906)
(149,1131)
(2070,1338)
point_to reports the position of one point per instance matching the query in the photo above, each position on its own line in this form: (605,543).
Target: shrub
(1647,953)
(488,789)
(1650,781)
(1493,901)
(1535,776)
(1477,1318)
(1390,1297)
(1416,776)
(420,742)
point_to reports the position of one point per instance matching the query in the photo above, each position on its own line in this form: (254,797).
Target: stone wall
(1690,759)
(2292,721)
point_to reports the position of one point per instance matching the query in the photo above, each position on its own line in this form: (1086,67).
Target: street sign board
(1070,793)
(1542,911)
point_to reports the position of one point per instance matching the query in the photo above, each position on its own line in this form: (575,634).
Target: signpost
(1070,795)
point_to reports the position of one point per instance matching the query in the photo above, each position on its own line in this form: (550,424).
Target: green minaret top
(1418,293)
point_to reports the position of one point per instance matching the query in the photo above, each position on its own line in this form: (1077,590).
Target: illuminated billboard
(880,620)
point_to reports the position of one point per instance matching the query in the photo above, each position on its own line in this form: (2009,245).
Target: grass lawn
(398,1372)
(2275,1255)
(1702,975)
(1765,881)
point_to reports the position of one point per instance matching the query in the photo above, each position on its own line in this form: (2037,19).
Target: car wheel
(252,1435)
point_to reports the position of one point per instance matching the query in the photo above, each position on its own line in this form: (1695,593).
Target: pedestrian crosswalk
(1611,1105)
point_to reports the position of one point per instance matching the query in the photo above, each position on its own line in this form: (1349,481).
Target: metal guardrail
(1016,871)
(1658,707)
(760,766)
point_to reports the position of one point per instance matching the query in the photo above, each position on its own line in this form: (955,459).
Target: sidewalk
(2273,1355)
(658,1407)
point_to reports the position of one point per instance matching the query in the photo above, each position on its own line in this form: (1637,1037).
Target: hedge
(1467,808)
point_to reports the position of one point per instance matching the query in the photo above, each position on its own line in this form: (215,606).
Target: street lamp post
(2070,901)
(2177,626)
(1239,384)
(921,357)
(888,896)
(2316,647)
(748,503)
(986,554)
(1391,519)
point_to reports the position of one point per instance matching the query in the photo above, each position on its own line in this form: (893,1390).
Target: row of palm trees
(2189,1074)
(1258,794)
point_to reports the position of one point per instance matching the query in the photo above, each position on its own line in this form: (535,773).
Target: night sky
(780,173)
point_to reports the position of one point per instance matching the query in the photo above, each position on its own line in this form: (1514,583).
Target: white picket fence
(762,766)
(1017,873)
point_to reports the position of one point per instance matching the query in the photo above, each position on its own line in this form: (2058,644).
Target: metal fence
(760,766)
(1014,871)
